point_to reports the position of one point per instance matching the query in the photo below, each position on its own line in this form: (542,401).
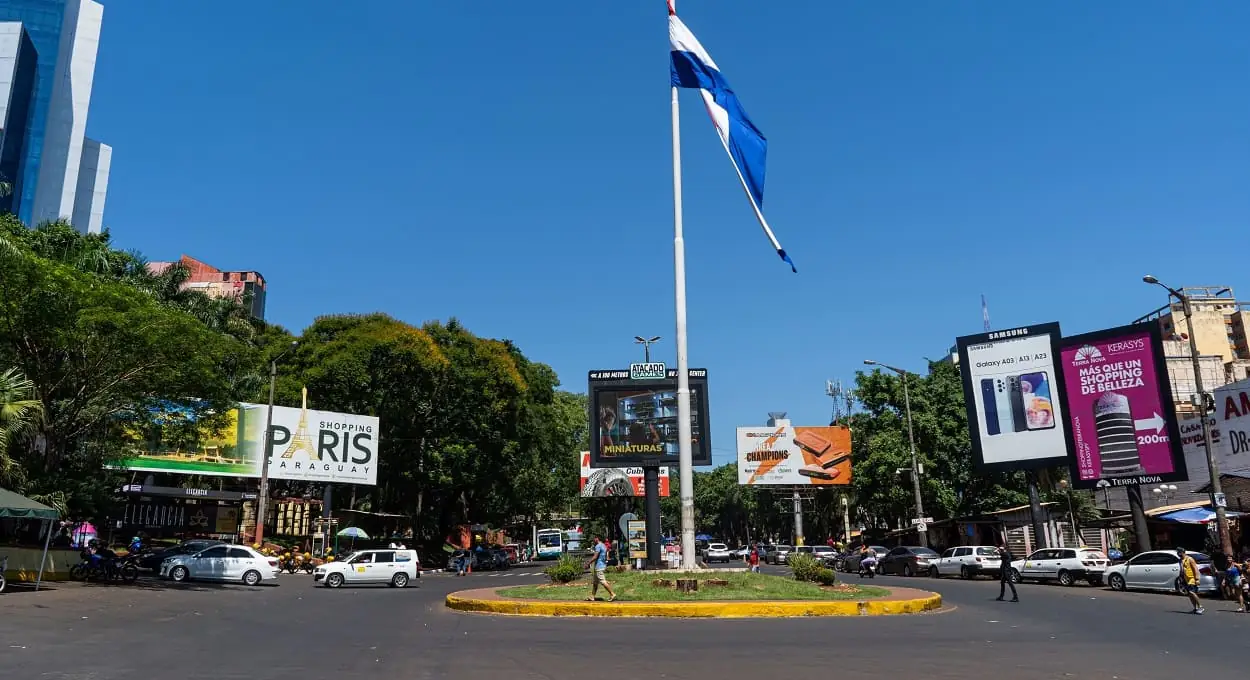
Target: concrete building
(248,287)
(57,161)
(1220,325)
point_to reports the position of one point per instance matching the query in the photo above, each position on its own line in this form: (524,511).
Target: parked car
(1160,570)
(222,563)
(851,564)
(717,552)
(152,561)
(1065,565)
(968,561)
(824,554)
(741,553)
(779,554)
(907,560)
(395,568)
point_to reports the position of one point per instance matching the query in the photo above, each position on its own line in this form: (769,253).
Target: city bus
(550,544)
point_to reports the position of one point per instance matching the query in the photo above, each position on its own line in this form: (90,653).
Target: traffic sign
(922,527)
(922,520)
(650,371)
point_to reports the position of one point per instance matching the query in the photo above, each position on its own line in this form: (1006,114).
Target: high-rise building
(247,287)
(61,174)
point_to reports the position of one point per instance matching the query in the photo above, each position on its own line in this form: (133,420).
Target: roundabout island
(713,594)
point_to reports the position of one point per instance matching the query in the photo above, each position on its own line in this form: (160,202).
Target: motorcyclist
(867,562)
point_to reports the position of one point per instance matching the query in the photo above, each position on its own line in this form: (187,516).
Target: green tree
(471,431)
(19,415)
(99,348)
(950,485)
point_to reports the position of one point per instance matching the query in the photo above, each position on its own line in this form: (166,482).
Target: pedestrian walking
(1004,573)
(1189,576)
(753,559)
(1233,577)
(599,563)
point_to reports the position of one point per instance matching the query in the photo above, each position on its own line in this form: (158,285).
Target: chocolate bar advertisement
(785,455)
(1122,422)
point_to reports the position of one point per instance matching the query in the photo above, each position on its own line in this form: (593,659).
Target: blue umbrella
(353,533)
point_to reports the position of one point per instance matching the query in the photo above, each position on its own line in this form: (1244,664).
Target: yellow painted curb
(718,610)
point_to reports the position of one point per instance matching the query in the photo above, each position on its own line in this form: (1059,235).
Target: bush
(826,577)
(567,570)
(804,566)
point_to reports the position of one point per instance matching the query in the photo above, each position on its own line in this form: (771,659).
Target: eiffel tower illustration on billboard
(301,440)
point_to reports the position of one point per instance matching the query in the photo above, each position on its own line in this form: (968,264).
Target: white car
(221,563)
(824,554)
(717,552)
(1065,565)
(395,568)
(1159,570)
(968,561)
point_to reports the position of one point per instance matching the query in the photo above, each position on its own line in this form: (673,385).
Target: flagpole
(685,464)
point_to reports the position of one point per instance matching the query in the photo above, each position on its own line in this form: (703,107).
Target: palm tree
(19,413)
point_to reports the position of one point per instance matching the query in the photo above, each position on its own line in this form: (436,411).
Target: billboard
(1122,424)
(308,445)
(636,535)
(615,482)
(792,456)
(1012,393)
(634,422)
(1232,418)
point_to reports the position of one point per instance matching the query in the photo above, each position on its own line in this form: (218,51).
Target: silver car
(1161,570)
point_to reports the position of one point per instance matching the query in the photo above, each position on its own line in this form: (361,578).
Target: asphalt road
(295,631)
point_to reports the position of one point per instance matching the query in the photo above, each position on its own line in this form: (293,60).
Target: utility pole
(262,498)
(911,440)
(1203,403)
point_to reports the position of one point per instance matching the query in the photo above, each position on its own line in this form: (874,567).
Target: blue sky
(508,163)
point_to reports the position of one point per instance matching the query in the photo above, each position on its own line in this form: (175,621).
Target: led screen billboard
(634,422)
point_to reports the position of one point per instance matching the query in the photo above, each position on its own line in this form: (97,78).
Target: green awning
(21,507)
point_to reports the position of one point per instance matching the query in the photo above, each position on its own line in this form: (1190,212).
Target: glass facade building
(65,36)
(17,88)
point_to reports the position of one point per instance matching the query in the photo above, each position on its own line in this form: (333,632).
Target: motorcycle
(868,567)
(293,563)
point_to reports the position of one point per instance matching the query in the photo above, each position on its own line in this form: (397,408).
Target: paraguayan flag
(692,67)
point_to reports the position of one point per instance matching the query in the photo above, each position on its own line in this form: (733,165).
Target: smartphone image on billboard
(1015,394)
(989,407)
(1039,408)
(1002,401)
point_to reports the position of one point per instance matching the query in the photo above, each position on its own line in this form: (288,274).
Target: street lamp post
(262,498)
(1067,488)
(911,440)
(646,345)
(1201,402)
(1164,493)
(650,484)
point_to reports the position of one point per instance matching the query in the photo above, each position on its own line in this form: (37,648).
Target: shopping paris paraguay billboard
(308,445)
(1122,426)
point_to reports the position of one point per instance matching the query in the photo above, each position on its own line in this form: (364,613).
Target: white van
(395,568)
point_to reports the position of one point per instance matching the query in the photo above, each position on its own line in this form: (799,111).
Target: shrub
(804,566)
(826,577)
(567,570)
